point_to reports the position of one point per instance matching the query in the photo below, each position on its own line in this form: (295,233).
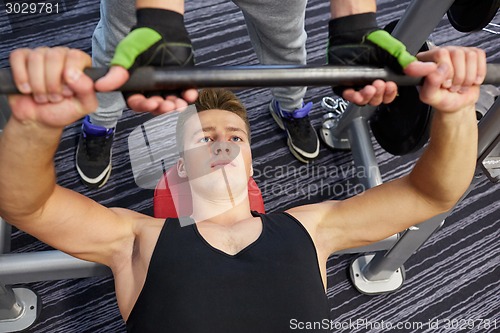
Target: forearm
(26,163)
(445,170)
(173,5)
(340,8)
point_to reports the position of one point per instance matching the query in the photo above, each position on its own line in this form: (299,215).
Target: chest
(230,240)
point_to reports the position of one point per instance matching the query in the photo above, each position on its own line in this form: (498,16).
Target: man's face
(217,157)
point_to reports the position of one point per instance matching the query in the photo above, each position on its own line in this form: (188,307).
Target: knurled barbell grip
(156,78)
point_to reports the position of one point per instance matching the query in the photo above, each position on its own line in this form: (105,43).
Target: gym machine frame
(380,271)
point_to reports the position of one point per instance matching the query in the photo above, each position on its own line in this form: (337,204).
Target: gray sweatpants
(276,30)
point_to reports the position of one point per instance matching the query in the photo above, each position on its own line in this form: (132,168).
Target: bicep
(81,227)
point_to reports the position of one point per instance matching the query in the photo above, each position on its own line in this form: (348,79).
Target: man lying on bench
(223,269)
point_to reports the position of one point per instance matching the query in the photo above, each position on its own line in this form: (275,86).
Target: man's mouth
(222,163)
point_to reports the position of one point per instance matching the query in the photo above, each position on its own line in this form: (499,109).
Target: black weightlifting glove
(356,40)
(159,39)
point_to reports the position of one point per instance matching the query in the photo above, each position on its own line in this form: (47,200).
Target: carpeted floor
(452,278)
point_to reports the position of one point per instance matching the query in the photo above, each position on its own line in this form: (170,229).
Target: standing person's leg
(355,39)
(277,32)
(339,8)
(94,152)
(351,21)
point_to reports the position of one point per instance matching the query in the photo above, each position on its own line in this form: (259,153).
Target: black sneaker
(302,138)
(93,155)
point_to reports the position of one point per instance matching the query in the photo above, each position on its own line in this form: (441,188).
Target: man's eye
(236,139)
(205,139)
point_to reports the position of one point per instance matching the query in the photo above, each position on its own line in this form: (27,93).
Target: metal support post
(360,139)
(419,21)
(5,235)
(19,308)
(9,307)
(46,266)
(383,266)
(384,271)
(488,128)
(489,155)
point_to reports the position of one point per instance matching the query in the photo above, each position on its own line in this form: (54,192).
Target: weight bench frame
(371,274)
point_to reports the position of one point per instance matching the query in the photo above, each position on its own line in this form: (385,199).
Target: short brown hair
(211,99)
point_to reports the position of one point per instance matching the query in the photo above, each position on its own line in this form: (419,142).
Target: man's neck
(223,211)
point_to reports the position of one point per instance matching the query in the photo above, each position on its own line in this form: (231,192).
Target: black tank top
(272,285)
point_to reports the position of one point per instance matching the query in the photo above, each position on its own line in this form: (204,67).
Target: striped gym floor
(455,275)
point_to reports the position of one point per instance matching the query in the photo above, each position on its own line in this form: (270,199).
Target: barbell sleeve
(158,78)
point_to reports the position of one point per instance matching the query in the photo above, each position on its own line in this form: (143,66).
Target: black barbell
(157,79)
(400,127)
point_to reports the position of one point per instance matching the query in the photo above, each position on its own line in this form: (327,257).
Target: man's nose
(224,148)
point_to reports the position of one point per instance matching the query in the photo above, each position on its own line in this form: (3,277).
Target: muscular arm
(29,196)
(438,180)
(24,190)
(33,202)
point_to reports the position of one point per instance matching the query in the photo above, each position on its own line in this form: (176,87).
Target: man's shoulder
(312,213)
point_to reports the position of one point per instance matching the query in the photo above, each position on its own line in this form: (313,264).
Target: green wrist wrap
(132,46)
(384,40)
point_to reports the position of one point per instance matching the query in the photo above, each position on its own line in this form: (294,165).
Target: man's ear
(181,168)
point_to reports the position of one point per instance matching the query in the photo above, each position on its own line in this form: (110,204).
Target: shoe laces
(301,126)
(95,146)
